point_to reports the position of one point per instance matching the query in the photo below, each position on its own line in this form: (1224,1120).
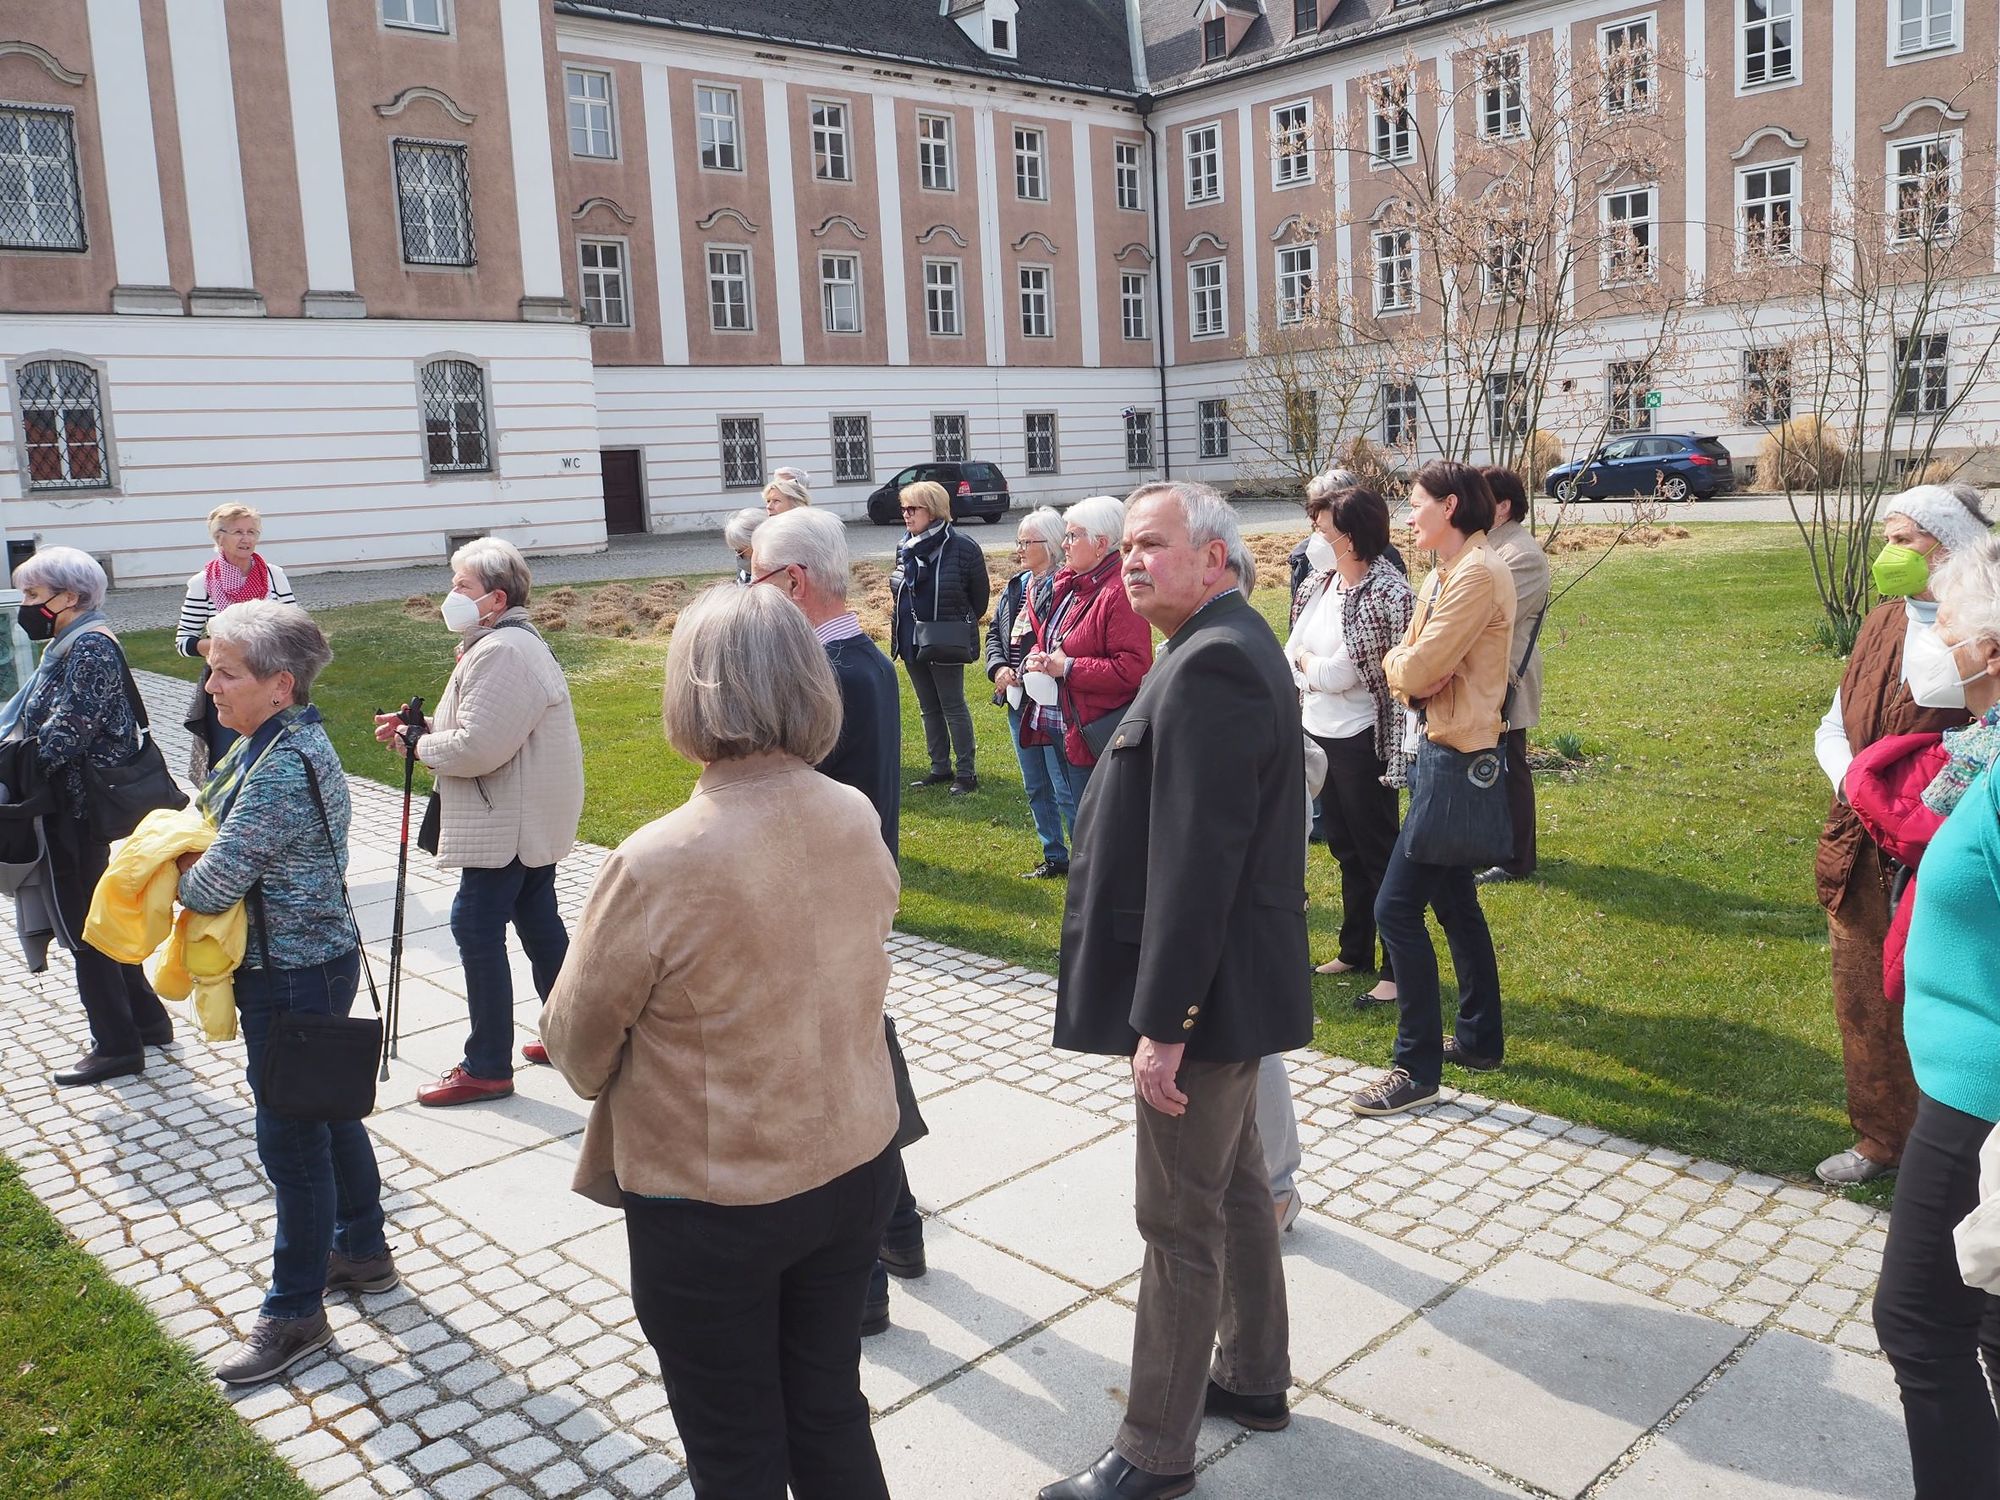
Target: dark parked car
(1673,465)
(978,491)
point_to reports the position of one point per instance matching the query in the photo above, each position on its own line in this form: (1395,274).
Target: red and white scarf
(227,584)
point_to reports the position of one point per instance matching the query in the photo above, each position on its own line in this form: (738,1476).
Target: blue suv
(1672,465)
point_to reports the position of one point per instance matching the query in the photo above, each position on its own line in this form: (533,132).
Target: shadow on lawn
(1672,900)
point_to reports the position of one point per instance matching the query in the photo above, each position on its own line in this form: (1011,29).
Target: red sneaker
(461,1087)
(535,1052)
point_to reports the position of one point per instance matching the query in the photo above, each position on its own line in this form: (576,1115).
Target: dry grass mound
(420,606)
(1800,454)
(1597,538)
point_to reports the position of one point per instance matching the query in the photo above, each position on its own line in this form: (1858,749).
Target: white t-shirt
(1830,739)
(1337,704)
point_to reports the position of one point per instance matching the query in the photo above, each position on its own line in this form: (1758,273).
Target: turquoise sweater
(1951,1018)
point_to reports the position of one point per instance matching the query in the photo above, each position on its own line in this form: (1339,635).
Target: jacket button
(1187,1026)
(1194,1010)
(1115,744)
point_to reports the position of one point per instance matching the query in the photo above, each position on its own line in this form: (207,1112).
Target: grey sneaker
(375,1274)
(1850,1168)
(1392,1095)
(274,1346)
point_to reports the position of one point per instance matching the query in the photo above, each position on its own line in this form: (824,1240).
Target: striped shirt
(839,628)
(197,609)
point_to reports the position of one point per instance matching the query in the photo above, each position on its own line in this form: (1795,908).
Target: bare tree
(1309,389)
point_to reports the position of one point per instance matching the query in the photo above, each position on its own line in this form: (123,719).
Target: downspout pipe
(1145,106)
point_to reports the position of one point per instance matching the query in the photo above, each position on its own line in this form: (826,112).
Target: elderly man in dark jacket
(1184,948)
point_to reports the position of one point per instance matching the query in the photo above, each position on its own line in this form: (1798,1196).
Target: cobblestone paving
(1631,1309)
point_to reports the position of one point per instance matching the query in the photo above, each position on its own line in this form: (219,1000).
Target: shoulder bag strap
(319,801)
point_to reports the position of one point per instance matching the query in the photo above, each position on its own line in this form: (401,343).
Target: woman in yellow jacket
(1452,666)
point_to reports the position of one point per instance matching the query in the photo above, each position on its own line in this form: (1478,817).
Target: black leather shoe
(1453,1053)
(875,1316)
(930,778)
(964,785)
(905,1261)
(1263,1413)
(95,1067)
(161,1035)
(1497,875)
(1112,1478)
(1049,869)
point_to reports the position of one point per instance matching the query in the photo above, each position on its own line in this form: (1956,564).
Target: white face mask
(460,613)
(1931,670)
(1321,553)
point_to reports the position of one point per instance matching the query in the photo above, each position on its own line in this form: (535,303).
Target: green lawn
(96,1403)
(1664,978)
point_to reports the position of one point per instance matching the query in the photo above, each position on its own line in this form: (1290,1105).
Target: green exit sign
(1652,401)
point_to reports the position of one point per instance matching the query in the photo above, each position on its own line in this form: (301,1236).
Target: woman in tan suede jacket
(744,1100)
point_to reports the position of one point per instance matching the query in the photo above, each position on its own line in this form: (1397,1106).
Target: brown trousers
(1881,1092)
(1212,1287)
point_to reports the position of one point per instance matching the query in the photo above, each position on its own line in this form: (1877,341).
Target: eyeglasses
(1031,541)
(1073,536)
(915,510)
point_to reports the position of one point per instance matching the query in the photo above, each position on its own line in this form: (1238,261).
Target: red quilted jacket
(1885,787)
(1109,648)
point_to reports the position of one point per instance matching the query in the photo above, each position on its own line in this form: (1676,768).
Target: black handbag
(116,798)
(945,643)
(910,1125)
(1458,807)
(321,1067)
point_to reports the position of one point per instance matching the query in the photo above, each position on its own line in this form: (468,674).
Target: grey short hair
(64,570)
(1101,517)
(1044,523)
(736,530)
(1330,482)
(274,638)
(498,565)
(745,674)
(1209,518)
(811,539)
(1968,585)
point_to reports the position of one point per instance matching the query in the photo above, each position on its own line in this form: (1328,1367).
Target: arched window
(62,425)
(455,424)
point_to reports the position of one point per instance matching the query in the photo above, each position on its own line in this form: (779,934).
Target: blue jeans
(329,1190)
(487,901)
(1045,774)
(1407,888)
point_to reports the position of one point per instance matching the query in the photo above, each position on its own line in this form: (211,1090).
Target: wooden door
(624,491)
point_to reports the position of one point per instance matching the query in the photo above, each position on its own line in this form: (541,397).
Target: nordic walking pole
(413,719)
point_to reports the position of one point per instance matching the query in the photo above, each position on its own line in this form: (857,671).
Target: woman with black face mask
(77,709)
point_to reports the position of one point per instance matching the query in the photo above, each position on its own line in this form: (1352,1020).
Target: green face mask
(1901,572)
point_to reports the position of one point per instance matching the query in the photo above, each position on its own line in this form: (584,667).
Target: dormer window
(1003,37)
(1214,40)
(990,25)
(1224,23)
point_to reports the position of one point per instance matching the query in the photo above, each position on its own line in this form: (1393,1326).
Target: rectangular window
(39,205)
(1767,386)
(717,129)
(1923,188)
(1133,288)
(1395,270)
(1629,232)
(1126,175)
(1036,322)
(1030,175)
(1138,440)
(1391,129)
(1214,40)
(1503,98)
(853,455)
(416,15)
(1206,318)
(455,425)
(1769,47)
(1301,422)
(62,425)
(1291,144)
(840,293)
(1401,414)
(934,156)
(1925,26)
(1767,211)
(1503,266)
(1506,407)
(948,437)
(433,203)
(1923,374)
(1625,51)
(728,289)
(829,139)
(742,452)
(601,275)
(1039,434)
(941,309)
(1212,427)
(1305,17)
(1203,147)
(1298,280)
(1626,384)
(588,92)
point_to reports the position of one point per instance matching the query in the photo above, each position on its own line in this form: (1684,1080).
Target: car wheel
(1674,487)
(1566,491)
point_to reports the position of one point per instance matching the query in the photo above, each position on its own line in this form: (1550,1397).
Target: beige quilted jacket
(504,745)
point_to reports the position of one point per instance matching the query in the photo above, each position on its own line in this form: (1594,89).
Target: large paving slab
(984,1133)
(1081,1207)
(1329,1450)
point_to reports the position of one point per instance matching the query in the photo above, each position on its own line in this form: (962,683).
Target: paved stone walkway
(1485,1301)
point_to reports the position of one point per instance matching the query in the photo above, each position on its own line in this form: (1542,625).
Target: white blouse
(1337,703)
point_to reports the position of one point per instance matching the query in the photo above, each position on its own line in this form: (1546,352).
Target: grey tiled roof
(1173,40)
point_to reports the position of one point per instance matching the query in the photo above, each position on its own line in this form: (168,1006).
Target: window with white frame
(840,293)
(1767,211)
(1923,188)
(1002,36)
(1138,440)
(1126,175)
(1401,413)
(1202,146)
(1392,129)
(718,128)
(433,203)
(62,426)
(1298,282)
(1212,427)
(729,289)
(40,208)
(1503,264)
(1625,52)
(1923,374)
(1133,291)
(1924,26)
(1767,386)
(455,421)
(1038,429)
(1291,144)
(1626,384)
(1301,422)
(941,299)
(588,94)
(1031,181)
(935,168)
(853,450)
(1503,96)
(600,268)
(1506,406)
(742,452)
(1769,41)
(829,141)
(1629,234)
(1395,270)
(948,437)
(1206,316)
(1036,322)
(415,15)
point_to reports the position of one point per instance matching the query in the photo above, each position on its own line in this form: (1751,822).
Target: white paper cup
(1014,696)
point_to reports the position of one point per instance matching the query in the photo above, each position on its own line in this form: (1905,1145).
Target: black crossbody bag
(116,798)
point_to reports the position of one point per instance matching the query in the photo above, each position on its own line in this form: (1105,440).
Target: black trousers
(947,720)
(1930,1323)
(755,1312)
(116,997)
(1358,819)
(1520,805)
(1407,890)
